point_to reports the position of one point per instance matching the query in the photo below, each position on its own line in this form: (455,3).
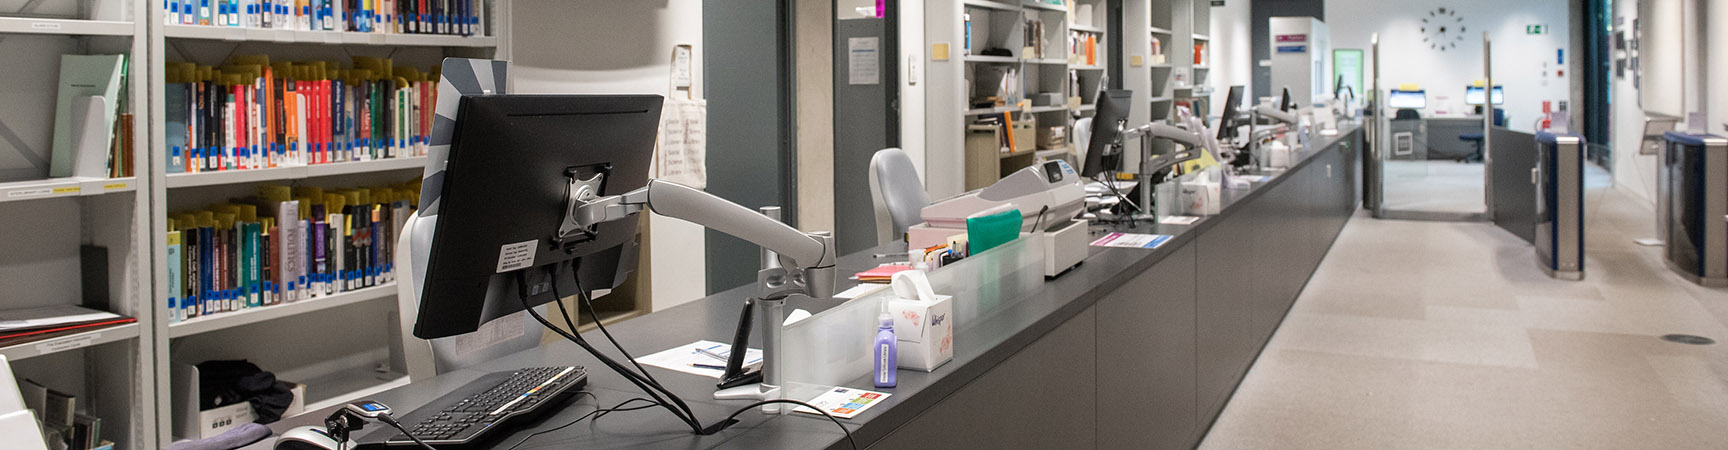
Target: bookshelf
(222,321)
(50,221)
(121,373)
(1020,49)
(353,353)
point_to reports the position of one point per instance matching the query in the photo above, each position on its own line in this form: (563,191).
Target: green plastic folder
(987,232)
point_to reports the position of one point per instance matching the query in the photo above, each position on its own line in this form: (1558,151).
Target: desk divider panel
(832,348)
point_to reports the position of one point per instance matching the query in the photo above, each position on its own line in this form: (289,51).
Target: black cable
(682,411)
(830,417)
(595,314)
(600,411)
(392,422)
(616,368)
(642,372)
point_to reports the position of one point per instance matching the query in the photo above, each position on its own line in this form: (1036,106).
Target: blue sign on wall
(1292,49)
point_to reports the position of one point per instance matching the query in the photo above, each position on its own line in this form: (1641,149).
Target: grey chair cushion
(897,193)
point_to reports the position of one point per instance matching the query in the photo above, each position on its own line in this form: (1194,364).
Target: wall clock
(1443,29)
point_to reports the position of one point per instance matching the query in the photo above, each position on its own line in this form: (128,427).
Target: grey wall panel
(746,124)
(861,128)
(1146,358)
(1514,196)
(1041,398)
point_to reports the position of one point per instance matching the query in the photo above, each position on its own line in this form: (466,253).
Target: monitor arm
(1184,136)
(806,259)
(1274,113)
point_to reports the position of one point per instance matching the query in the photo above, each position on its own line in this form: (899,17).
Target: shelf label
(67,343)
(113,186)
(22,193)
(68,190)
(44,25)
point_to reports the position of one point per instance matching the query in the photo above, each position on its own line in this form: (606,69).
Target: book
(176,273)
(82,76)
(86,432)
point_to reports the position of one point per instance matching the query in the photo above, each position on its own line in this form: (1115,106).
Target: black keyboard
(489,403)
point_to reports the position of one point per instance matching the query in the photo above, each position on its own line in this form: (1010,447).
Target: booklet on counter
(1130,240)
(845,402)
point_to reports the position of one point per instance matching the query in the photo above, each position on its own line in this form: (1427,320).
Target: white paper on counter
(682,357)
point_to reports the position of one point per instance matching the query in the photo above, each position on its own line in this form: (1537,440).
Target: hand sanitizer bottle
(887,351)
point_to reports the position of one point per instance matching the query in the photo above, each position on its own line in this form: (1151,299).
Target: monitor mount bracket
(794,262)
(1151,163)
(1256,133)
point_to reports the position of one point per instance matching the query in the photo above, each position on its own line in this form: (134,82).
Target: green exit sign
(1535,29)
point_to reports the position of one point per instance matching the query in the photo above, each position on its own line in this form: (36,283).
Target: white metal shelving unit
(1002,25)
(336,366)
(49,220)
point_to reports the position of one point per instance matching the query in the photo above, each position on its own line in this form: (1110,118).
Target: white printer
(1050,196)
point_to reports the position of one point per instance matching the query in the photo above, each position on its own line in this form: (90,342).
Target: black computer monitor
(504,196)
(1107,124)
(1227,123)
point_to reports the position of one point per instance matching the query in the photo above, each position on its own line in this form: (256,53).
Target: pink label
(1292,38)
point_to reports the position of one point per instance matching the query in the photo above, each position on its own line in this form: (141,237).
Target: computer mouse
(307,438)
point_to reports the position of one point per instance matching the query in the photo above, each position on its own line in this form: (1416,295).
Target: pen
(710,354)
(888,255)
(708,366)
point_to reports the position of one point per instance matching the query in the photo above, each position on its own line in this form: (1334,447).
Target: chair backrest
(425,358)
(896,192)
(1500,117)
(1082,138)
(1407,114)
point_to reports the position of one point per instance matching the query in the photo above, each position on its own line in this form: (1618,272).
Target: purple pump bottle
(887,352)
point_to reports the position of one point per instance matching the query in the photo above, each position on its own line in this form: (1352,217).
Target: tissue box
(925,331)
(1200,197)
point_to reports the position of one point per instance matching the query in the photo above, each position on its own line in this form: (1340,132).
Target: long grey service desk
(1132,349)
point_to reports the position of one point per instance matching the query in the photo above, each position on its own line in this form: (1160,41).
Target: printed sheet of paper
(864,61)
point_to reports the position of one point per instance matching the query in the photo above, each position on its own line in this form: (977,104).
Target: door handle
(1536,176)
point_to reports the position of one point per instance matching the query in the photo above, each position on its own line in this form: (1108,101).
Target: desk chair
(1476,138)
(425,358)
(897,194)
(1082,138)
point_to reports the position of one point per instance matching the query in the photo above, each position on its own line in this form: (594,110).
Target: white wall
(1716,82)
(569,47)
(1519,59)
(1232,51)
(1633,173)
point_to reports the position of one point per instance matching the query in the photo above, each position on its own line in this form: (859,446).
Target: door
(1431,168)
(865,119)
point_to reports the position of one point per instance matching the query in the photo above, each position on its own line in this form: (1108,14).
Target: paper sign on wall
(681,72)
(863,61)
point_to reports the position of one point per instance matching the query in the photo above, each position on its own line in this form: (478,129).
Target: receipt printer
(1050,196)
